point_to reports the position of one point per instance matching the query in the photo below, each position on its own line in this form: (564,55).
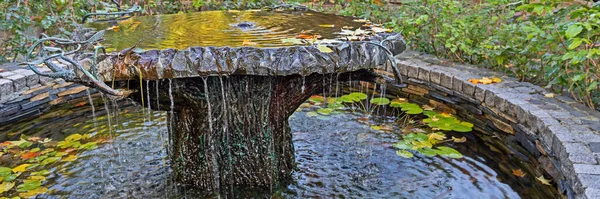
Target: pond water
(337,156)
(222,28)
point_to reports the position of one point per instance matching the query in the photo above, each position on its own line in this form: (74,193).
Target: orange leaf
(474,81)
(80,104)
(518,173)
(308,36)
(6,143)
(29,155)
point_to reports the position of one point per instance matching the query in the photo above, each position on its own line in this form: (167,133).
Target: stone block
(39,97)
(434,76)
(479,93)
(424,74)
(6,88)
(577,153)
(595,147)
(446,80)
(32,78)
(19,82)
(468,89)
(6,74)
(72,91)
(587,169)
(490,98)
(413,71)
(457,84)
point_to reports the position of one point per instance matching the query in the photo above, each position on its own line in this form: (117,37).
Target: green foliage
(550,43)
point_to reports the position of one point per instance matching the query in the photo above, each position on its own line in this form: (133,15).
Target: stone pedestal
(233,130)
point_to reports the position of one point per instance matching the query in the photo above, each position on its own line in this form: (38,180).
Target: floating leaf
(34,192)
(73,137)
(427,152)
(462,127)
(312,114)
(324,49)
(459,140)
(316,99)
(543,180)
(358,95)
(434,137)
(308,36)
(28,186)
(89,146)
(335,106)
(292,41)
(518,173)
(448,152)
(40,173)
(247,42)
(70,158)
(21,168)
(50,160)
(377,128)
(402,145)
(327,25)
(380,101)
(404,153)
(5,171)
(46,140)
(10,178)
(5,186)
(324,111)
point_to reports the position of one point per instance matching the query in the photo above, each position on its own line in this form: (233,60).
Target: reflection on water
(220,28)
(336,157)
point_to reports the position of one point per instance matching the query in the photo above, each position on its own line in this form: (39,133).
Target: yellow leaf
(248,43)
(70,158)
(5,186)
(518,173)
(435,119)
(496,80)
(37,178)
(113,28)
(485,80)
(427,107)
(32,193)
(444,114)
(46,140)
(474,81)
(544,180)
(549,95)
(21,168)
(377,128)
(362,20)
(324,49)
(327,25)
(73,137)
(436,136)
(459,140)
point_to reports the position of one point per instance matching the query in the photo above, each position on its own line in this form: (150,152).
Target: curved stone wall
(561,134)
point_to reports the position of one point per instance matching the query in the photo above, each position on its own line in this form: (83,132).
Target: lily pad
(312,114)
(358,95)
(5,171)
(402,144)
(404,153)
(448,152)
(381,101)
(27,186)
(324,111)
(427,152)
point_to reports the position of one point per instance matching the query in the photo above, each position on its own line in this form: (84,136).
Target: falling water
(303,82)
(148,94)
(157,102)
(226,125)
(92,105)
(337,84)
(211,141)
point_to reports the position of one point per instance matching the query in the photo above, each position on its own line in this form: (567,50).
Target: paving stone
(595,147)
(32,78)
(6,88)
(6,74)
(446,80)
(19,82)
(435,77)
(523,89)
(587,169)
(592,193)
(578,153)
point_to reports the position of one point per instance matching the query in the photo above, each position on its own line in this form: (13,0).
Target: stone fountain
(230,80)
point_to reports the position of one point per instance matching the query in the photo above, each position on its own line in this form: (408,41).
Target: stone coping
(24,94)
(559,129)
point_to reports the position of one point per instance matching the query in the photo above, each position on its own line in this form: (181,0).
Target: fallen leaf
(444,114)
(248,43)
(378,29)
(347,27)
(543,180)
(308,36)
(427,107)
(113,28)
(518,173)
(327,25)
(46,140)
(29,155)
(34,139)
(292,40)
(459,140)
(21,168)
(549,95)
(80,104)
(377,128)
(70,158)
(324,49)
(5,186)
(496,80)
(34,192)
(436,136)
(362,20)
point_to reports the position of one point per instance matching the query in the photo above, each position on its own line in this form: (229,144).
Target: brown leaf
(29,155)
(80,104)
(34,139)
(518,173)
(459,140)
